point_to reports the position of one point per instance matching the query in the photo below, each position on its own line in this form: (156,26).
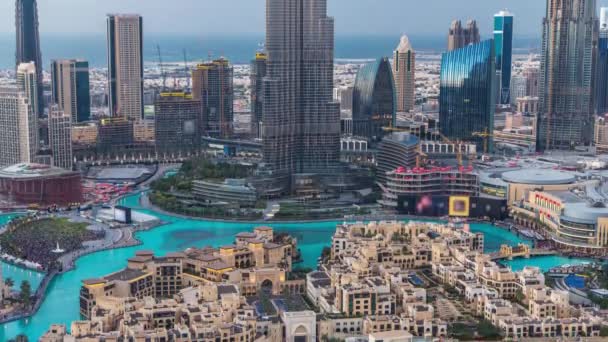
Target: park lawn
(34,240)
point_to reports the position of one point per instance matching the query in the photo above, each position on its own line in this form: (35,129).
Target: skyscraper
(601,85)
(212,84)
(467,92)
(301,122)
(404,71)
(565,117)
(16,137)
(258,72)
(60,137)
(70,88)
(459,37)
(28,44)
(177,123)
(125,65)
(531,74)
(374,100)
(518,88)
(27,82)
(503,42)
(115,134)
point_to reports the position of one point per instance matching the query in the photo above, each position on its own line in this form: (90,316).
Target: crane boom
(162,68)
(187,70)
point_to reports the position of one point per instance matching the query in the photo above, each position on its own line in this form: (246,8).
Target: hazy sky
(200,17)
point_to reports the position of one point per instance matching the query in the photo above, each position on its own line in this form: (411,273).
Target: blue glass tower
(374,100)
(467,92)
(503,42)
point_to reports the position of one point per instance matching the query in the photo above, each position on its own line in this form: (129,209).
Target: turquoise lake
(61,302)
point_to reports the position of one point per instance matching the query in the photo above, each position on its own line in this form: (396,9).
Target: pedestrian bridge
(519,251)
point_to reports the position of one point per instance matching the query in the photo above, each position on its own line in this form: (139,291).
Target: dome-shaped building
(374,100)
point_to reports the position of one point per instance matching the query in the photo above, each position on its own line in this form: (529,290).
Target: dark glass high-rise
(28,42)
(374,100)
(467,93)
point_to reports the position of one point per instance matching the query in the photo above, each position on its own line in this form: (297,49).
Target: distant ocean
(238,49)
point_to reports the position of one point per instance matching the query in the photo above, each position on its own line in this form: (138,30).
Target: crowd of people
(36,238)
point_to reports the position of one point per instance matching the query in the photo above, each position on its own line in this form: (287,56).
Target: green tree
(519,296)
(9,282)
(19,338)
(487,331)
(604,331)
(461,331)
(25,296)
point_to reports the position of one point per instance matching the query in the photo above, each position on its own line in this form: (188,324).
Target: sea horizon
(239,49)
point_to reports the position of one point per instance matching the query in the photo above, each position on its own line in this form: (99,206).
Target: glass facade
(125,65)
(301,122)
(28,42)
(601,98)
(258,72)
(503,43)
(70,88)
(374,100)
(467,92)
(566,108)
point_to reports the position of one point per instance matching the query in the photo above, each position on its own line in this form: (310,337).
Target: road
(113,238)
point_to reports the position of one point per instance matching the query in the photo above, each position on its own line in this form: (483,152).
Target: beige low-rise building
(255,262)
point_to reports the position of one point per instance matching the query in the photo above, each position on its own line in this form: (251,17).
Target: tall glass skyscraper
(28,43)
(601,90)
(565,118)
(467,92)
(256,76)
(301,128)
(70,88)
(374,100)
(126,65)
(503,42)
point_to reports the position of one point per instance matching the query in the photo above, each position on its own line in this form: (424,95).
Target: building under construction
(177,123)
(212,84)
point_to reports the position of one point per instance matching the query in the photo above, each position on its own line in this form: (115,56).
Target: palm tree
(25,296)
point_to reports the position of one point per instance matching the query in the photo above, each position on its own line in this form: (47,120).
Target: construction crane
(186,70)
(486,135)
(162,68)
(457,147)
(419,153)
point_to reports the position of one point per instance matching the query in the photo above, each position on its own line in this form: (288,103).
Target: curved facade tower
(467,92)
(28,43)
(566,105)
(404,72)
(301,123)
(373,100)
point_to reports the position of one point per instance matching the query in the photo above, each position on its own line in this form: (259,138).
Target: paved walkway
(113,238)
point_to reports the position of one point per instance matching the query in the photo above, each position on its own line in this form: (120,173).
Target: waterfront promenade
(61,304)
